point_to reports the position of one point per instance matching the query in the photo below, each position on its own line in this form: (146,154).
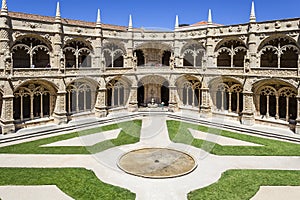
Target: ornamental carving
(32,25)
(267,26)
(67,38)
(288,25)
(47,36)
(292,34)
(277,25)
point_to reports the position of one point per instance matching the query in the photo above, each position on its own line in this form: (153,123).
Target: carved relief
(32,25)
(277,25)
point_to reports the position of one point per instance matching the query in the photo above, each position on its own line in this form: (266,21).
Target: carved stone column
(297,128)
(60,114)
(252,51)
(100,107)
(4,41)
(7,120)
(173,105)
(247,114)
(133,103)
(205,109)
(210,49)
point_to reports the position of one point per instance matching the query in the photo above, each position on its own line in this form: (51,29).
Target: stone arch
(34,99)
(118,89)
(114,53)
(193,54)
(153,90)
(226,94)
(31,51)
(189,90)
(154,53)
(231,52)
(44,40)
(279,51)
(81,95)
(77,53)
(275,98)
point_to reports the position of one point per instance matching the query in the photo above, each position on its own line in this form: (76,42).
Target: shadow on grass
(129,134)
(179,133)
(77,183)
(244,184)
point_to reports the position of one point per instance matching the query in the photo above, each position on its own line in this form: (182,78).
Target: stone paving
(153,134)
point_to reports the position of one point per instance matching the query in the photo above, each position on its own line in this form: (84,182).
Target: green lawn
(130,134)
(244,184)
(78,183)
(178,132)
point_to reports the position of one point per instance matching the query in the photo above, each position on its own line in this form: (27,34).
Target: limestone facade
(53,70)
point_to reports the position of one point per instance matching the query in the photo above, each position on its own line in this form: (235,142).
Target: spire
(252,14)
(209,18)
(98,22)
(57,16)
(4,8)
(130,23)
(176,22)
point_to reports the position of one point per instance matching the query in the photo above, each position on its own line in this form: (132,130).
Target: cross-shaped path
(154,133)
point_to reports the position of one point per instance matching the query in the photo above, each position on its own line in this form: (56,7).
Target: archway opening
(153,90)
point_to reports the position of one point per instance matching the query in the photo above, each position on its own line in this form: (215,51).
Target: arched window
(33,101)
(231,54)
(189,91)
(288,103)
(80,97)
(77,54)
(117,94)
(193,55)
(279,53)
(222,97)
(30,53)
(268,101)
(227,96)
(113,55)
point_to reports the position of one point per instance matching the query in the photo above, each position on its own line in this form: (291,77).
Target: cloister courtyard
(80,160)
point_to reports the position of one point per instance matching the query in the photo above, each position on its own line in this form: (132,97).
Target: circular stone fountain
(157,163)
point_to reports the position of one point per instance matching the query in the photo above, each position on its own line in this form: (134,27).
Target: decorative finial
(209,18)
(57,16)
(176,22)
(252,14)
(130,23)
(4,8)
(98,22)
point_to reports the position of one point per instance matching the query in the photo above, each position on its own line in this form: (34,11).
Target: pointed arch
(189,90)
(31,51)
(113,53)
(77,53)
(193,54)
(34,99)
(227,94)
(117,92)
(231,52)
(275,98)
(81,96)
(279,51)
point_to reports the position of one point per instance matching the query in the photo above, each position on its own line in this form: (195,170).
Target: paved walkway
(154,134)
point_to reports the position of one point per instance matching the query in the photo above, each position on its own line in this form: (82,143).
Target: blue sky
(161,13)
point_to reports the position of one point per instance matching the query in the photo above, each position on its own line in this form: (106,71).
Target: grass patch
(78,183)
(129,134)
(244,184)
(179,133)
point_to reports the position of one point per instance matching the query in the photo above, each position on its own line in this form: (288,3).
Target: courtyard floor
(154,133)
